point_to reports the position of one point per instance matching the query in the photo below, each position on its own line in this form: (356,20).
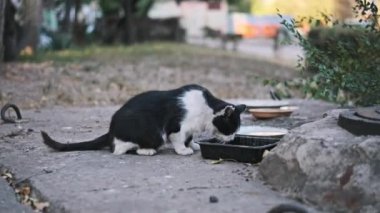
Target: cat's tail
(95,144)
(283,208)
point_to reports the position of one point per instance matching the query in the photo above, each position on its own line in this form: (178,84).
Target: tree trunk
(66,25)
(130,28)
(10,33)
(77,9)
(78,28)
(2,17)
(30,30)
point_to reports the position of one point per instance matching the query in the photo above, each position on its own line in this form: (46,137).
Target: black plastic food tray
(246,149)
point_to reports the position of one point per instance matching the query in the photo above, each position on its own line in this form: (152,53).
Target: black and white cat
(152,118)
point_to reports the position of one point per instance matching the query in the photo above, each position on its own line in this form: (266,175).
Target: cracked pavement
(98,181)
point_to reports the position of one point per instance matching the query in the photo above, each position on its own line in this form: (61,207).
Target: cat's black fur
(145,118)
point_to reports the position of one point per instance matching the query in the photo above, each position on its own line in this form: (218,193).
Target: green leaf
(217,161)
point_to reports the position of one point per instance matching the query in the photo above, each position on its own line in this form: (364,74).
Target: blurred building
(300,8)
(195,15)
(263,21)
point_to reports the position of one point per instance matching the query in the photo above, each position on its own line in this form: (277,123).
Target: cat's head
(226,122)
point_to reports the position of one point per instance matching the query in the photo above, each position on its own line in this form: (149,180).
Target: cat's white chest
(198,116)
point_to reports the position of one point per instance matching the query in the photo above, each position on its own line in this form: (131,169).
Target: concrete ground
(98,181)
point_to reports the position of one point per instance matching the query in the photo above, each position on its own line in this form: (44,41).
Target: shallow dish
(262,131)
(242,148)
(258,103)
(266,113)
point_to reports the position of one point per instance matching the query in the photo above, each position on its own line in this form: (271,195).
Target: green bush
(344,60)
(110,7)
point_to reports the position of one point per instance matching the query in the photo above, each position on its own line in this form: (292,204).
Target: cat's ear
(228,111)
(240,108)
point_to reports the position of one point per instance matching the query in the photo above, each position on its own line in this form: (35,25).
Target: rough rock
(323,164)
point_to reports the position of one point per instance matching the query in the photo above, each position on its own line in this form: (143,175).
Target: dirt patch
(98,76)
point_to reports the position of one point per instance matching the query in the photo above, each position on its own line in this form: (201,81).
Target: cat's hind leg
(121,147)
(149,143)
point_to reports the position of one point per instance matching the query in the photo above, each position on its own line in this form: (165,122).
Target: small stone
(213,199)
(47,171)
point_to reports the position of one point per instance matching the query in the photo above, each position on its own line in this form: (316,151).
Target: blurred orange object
(27,51)
(270,31)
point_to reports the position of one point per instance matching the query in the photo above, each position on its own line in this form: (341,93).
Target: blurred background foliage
(341,56)
(341,51)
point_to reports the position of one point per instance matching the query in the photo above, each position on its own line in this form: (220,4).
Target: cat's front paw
(184,151)
(146,152)
(194,146)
